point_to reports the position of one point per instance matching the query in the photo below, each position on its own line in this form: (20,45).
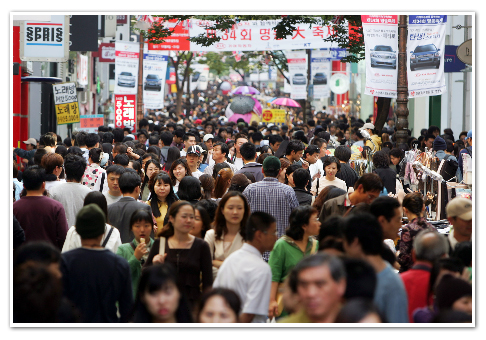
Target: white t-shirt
(324,182)
(238,163)
(51,184)
(73,240)
(246,273)
(316,167)
(197,174)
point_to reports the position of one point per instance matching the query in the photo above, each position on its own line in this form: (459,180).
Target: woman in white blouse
(228,234)
(331,167)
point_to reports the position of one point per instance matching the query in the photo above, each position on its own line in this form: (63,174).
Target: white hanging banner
(297,64)
(154,71)
(251,35)
(380,34)
(425,55)
(320,73)
(126,67)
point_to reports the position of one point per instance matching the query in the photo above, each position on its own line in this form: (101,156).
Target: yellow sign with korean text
(67,113)
(66,101)
(273,116)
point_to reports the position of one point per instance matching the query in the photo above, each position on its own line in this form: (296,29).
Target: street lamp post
(402,87)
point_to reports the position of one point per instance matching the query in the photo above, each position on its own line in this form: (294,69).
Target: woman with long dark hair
(161,196)
(190,255)
(172,154)
(158,298)
(151,167)
(228,234)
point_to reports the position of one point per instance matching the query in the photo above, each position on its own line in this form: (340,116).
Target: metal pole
(402,87)
(464,84)
(140,82)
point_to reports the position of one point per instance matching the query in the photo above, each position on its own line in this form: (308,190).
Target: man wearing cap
(369,127)
(468,141)
(94,278)
(28,153)
(192,158)
(459,214)
(208,141)
(271,196)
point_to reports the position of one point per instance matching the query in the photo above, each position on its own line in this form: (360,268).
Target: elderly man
(320,282)
(428,246)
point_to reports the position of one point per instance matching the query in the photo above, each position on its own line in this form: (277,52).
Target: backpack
(449,168)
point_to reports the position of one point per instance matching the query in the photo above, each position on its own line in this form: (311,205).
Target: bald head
(429,246)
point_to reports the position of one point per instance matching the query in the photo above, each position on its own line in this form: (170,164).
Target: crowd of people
(203,220)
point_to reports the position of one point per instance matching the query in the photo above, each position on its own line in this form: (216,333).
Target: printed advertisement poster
(66,102)
(273,116)
(126,67)
(154,71)
(320,73)
(380,34)
(90,123)
(125,111)
(199,77)
(251,35)
(297,64)
(425,55)
(82,69)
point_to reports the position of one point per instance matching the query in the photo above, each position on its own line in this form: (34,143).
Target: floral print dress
(91,175)
(406,241)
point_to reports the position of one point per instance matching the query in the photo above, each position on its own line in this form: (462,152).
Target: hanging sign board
(66,102)
(464,52)
(45,41)
(273,116)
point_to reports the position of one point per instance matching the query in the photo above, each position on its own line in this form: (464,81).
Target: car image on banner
(319,79)
(425,56)
(152,83)
(126,79)
(299,79)
(383,55)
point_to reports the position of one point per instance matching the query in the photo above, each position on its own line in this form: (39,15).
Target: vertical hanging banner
(320,73)
(125,111)
(297,64)
(425,55)
(82,69)
(126,67)
(380,34)
(154,71)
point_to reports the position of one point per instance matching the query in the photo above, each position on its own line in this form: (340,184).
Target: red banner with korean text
(178,41)
(125,111)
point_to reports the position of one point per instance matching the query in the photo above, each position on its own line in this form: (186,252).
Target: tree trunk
(383,110)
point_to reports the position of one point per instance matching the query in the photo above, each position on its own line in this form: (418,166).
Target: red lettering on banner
(275,35)
(125,111)
(211,33)
(298,30)
(265,34)
(318,31)
(246,34)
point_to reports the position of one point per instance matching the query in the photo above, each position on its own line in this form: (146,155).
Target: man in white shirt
(192,158)
(245,272)
(240,139)
(220,152)
(113,173)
